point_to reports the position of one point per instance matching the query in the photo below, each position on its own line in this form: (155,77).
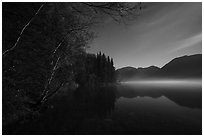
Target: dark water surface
(128,108)
(160,109)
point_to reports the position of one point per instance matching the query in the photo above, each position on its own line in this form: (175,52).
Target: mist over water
(161,106)
(166,82)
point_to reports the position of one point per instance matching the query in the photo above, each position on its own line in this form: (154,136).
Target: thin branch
(116,12)
(64,38)
(46,89)
(111,15)
(57,47)
(19,37)
(80,12)
(101,6)
(54,92)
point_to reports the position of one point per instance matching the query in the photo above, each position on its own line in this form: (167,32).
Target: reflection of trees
(67,113)
(100,101)
(188,97)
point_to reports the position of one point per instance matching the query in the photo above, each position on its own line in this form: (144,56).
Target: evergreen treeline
(104,68)
(96,68)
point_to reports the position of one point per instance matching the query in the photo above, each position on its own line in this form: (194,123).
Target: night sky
(161,32)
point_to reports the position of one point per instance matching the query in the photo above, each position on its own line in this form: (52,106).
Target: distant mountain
(131,73)
(125,73)
(181,67)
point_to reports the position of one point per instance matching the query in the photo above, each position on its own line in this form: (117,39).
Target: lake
(131,108)
(160,108)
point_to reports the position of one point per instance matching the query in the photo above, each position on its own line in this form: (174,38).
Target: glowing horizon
(167,82)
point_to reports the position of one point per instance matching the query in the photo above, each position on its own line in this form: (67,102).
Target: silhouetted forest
(96,68)
(44,49)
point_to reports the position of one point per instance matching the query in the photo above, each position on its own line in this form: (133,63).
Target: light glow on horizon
(167,82)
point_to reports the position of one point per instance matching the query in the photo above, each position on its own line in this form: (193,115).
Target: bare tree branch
(46,89)
(24,28)
(54,92)
(64,38)
(115,10)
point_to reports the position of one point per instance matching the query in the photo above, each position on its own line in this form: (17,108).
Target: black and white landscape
(185,67)
(101,68)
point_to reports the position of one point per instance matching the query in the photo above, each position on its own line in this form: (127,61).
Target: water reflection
(83,111)
(159,109)
(101,100)
(122,109)
(188,96)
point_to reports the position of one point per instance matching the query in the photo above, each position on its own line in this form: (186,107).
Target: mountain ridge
(187,66)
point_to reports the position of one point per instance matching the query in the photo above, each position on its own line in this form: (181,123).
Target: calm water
(128,108)
(160,108)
